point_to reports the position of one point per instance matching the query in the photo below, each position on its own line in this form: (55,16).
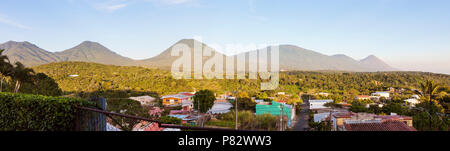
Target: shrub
(25,112)
(170,120)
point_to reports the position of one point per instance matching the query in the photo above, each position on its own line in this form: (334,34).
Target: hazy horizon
(416,40)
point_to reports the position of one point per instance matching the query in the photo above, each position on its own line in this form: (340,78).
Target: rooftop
(389,125)
(320,101)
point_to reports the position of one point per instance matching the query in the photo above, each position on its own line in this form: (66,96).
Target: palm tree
(429,90)
(21,74)
(6,69)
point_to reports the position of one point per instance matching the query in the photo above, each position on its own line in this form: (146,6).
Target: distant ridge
(27,53)
(291,57)
(375,64)
(89,51)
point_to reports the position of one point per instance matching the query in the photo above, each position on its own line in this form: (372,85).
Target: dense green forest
(125,81)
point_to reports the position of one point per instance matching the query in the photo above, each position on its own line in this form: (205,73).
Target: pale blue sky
(407,34)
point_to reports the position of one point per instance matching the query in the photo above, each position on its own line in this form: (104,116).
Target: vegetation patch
(26,112)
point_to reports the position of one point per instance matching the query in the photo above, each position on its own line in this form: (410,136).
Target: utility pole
(236,112)
(281,117)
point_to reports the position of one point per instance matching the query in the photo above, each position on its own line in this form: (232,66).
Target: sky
(407,34)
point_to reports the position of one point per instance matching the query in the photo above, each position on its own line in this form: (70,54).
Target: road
(302,118)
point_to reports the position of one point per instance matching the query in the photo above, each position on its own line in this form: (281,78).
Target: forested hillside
(120,81)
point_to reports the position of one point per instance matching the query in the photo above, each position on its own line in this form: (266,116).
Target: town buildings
(277,109)
(349,121)
(183,98)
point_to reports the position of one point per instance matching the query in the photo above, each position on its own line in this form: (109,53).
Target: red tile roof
(343,115)
(389,125)
(187,93)
(393,117)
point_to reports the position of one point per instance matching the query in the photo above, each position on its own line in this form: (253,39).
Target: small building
(319,117)
(281,93)
(382,94)
(220,108)
(340,119)
(187,105)
(377,125)
(412,101)
(144,100)
(323,94)
(276,109)
(318,104)
(362,97)
(259,101)
(177,99)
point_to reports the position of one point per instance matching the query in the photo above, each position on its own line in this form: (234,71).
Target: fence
(90,119)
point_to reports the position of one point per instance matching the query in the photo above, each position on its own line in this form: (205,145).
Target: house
(318,104)
(259,101)
(281,93)
(220,107)
(362,97)
(319,117)
(405,119)
(177,99)
(155,112)
(377,125)
(110,127)
(323,94)
(412,101)
(187,105)
(276,109)
(382,94)
(186,117)
(144,100)
(340,119)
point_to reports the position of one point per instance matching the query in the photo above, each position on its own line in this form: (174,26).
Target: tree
(374,108)
(21,74)
(6,69)
(262,95)
(428,93)
(42,85)
(358,107)
(204,100)
(393,107)
(294,99)
(429,90)
(128,107)
(430,117)
(245,103)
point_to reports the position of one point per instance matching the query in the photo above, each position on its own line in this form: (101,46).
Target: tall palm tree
(429,90)
(21,74)
(6,69)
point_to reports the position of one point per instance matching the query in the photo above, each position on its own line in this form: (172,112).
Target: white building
(220,108)
(412,101)
(319,117)
(318,104)
(381,94)
(144,100)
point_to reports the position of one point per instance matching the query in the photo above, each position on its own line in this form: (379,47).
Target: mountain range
(291,57)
